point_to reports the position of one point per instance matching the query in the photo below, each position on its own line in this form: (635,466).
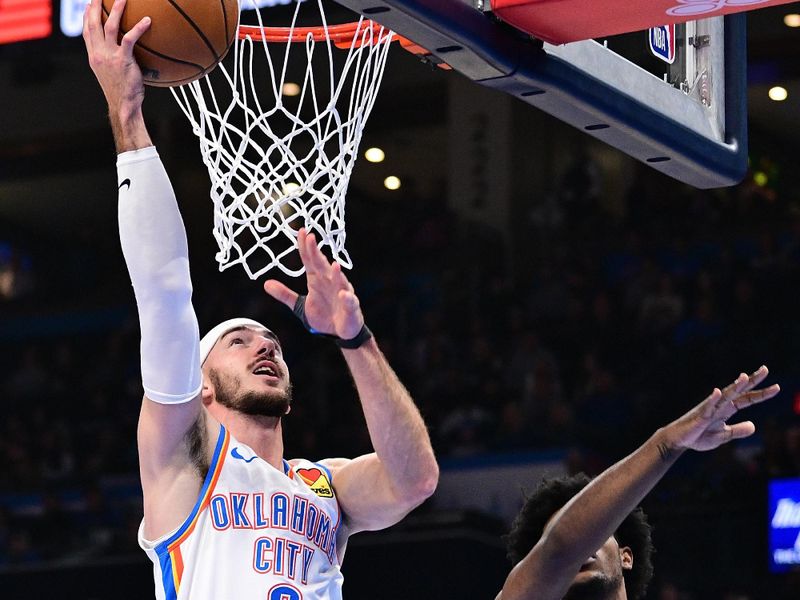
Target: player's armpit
(176,443)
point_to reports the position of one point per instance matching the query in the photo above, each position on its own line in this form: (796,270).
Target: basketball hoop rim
(341,35)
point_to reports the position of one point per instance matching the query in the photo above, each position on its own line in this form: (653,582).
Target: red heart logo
(309,475)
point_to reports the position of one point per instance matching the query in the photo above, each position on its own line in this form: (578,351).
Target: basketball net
(278,163)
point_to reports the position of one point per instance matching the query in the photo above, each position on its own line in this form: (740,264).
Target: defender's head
(625,556)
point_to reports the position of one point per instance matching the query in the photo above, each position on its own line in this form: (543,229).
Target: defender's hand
(331,305)
(111,60)
(705,428)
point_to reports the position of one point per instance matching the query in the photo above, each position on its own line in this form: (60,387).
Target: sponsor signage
(567,21)
(703,8)
(784,525)
(22,20)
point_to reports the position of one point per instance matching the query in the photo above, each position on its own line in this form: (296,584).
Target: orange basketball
(186,39)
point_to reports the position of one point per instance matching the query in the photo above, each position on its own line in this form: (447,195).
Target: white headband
(209,339)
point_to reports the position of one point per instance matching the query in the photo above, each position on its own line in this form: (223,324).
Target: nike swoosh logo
(126,183)
(235,454)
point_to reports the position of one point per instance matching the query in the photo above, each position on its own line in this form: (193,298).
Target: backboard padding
(498,56)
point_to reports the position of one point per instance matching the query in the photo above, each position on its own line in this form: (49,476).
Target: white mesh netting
(278,161)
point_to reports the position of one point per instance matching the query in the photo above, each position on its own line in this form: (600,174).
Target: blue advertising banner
(784,524)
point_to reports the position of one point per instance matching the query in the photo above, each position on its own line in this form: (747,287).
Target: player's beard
(269,403)
(599,587)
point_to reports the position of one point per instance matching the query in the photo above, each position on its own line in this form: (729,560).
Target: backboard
(689,121)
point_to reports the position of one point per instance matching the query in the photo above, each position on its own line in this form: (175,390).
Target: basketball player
(580,539)
(225,515)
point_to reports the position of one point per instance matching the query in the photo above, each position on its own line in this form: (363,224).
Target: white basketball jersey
(256,532)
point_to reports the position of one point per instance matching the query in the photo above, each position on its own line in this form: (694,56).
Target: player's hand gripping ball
(186,39)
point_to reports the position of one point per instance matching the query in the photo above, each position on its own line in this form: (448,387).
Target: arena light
(374,155)
(778,93)
(290,187)
(792,20)
(290,88)
(391,183)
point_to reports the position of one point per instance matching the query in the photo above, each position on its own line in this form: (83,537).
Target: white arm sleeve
(153,241)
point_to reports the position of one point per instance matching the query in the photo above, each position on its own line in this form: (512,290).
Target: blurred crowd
(584,327)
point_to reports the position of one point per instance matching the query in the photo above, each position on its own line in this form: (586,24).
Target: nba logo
(662,42)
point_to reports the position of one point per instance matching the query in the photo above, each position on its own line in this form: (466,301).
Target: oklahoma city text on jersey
(249,511)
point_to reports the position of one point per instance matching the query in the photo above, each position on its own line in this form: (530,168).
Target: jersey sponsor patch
(317,481)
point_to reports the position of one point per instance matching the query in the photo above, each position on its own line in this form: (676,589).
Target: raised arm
(117,72)
(594,514)
(154,244)
(375,490)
